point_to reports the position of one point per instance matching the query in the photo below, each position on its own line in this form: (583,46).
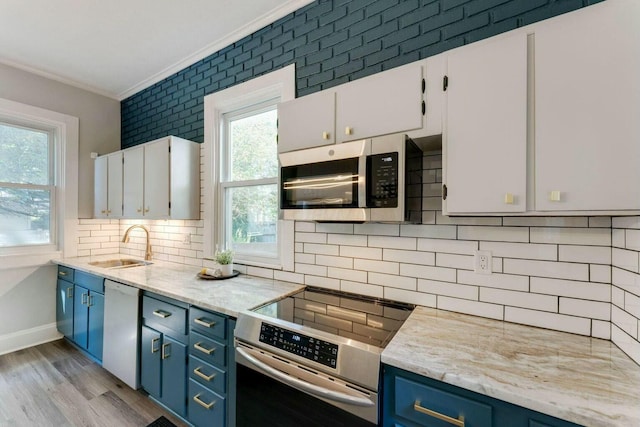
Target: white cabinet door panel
(101,179)
(133,185)
(485,138)
(156,179)
(588,109)
(306,122)
(384,103)
(114,191)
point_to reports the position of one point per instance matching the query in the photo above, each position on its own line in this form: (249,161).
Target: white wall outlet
(186,240)
(483,262)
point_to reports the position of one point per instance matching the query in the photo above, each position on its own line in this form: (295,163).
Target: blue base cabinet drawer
(207,323)
(206,408)
(208,375)
(207,349)
(160,314)
(411,400)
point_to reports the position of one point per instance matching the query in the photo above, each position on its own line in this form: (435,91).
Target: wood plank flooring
(54,384)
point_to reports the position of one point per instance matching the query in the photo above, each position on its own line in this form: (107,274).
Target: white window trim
(65,129)
(280,83)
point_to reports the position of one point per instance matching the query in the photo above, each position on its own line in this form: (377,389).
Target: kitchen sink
(119,263)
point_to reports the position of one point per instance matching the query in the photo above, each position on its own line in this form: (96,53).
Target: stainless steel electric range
(324,343)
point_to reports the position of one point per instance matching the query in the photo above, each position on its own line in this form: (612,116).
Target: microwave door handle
(362,179)
(304,385)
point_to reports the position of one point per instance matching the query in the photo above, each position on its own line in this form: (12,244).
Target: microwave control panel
(382,180)
(310,348)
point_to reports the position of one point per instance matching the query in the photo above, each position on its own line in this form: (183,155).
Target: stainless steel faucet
(125,239)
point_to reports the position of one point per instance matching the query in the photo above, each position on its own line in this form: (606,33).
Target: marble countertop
(179,281)
(584,380)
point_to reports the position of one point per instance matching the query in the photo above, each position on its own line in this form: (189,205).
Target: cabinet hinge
(445,83)
(424,85)
(424,108)
(169,205)
(444,192)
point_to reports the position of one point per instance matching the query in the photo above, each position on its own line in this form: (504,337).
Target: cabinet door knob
(103,211)
(555,196)
(325,135)
(508,198)
(146,210)
(348,130)
(139,210)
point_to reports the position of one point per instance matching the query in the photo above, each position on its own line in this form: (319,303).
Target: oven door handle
(304,385)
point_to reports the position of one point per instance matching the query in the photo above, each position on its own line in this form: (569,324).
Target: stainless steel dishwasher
(121,346)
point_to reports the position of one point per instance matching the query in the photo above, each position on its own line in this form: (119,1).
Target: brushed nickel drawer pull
(161,313)
(207,406)
(90,301)
(84,298)
(208,351)
(201,322)
(62,273)
(154,349)
(166,354)
(70,292)
(459,422)
(199,373)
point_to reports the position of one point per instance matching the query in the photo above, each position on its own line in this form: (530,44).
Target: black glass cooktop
(369,320)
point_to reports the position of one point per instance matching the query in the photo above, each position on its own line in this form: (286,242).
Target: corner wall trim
(28,338)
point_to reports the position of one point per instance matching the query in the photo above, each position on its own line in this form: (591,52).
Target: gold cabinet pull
(205,377)
(154,349)
(90,301)
(459,422)
(161,313)
(204,323)
(199,401)
(62,273)
(70,292)
(348,130)
(325,135)
(83,299)
(166,354)
(207,351)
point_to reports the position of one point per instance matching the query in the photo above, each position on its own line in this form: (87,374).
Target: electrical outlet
(186,240)
(483,262)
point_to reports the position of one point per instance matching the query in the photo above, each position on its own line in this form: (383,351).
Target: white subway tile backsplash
(625,259)
(632,305)
(501,281)
(447,246)
(559,322)
(497,265)
(322,282)
(464,262)
(584,308)
(600,273)
(586,254)
(316,270)
(362,288)
(546,221)
(310,237)
(302,226)
(376,266)
(432,203)
(476,308)
(319,249)
(572,236)
(428,217)
(410,257)
(495,234)
(521,250)
(572,289)
(617,296)
(628,344)
(393,281)
(626,222)
(618,238)
(336,228)
(559,270)
(624,321)
(601,329)
(429,231)
(432,190)
(428,272)
(347,239)
(519,299)
(626,280)
(600,222)
(448,289)
(410,297)
(347,274)
(288,276)
(407,243)
(334,261)
(632,239)
(303,258)
(359,252)
(375,229)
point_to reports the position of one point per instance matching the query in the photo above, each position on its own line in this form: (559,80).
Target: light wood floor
(55,385)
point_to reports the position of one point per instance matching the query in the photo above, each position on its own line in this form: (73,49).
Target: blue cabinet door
(151,342)
(80,316)
(174,375)
(64,308)
(95,324)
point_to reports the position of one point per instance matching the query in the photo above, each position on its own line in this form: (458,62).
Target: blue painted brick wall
(331,42)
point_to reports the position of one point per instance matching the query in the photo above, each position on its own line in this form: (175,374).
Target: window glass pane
(24,216)
(253,147)
(24,155)
(253,219)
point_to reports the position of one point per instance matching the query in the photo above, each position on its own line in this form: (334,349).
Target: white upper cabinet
(485,138)
(162,180)
(108,186)
(434,69)
(587,109)
(307,122)
(380,104)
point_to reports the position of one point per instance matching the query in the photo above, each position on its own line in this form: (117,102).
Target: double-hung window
(27,186)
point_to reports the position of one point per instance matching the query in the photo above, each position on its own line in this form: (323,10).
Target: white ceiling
(118,47)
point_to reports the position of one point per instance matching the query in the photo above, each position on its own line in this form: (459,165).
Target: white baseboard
(28,338)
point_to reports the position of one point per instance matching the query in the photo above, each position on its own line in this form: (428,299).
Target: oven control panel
(310,348)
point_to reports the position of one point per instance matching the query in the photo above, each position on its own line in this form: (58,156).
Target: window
(27,191)
(38,184)
(241,172)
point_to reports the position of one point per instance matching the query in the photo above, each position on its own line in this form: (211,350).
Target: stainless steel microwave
(377,179)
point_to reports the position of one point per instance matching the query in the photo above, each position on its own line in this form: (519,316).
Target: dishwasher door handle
(304,385)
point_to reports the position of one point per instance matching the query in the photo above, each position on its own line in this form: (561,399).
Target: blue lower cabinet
(88,320)
(411,400)
(206,408)
(64,308)
(208,375)
(163,369)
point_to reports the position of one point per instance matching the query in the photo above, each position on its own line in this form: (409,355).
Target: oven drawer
(208,375)
(205,407)
(423,404)
(164,314)
(207,349)
(207,323)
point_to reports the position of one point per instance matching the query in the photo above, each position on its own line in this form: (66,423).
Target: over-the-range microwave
(377,179)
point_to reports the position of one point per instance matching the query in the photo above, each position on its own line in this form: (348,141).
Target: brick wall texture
(331,42)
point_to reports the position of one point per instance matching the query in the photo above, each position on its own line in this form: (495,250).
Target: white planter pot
(226,269)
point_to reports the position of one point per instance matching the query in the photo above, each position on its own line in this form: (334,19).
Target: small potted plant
(224,259)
